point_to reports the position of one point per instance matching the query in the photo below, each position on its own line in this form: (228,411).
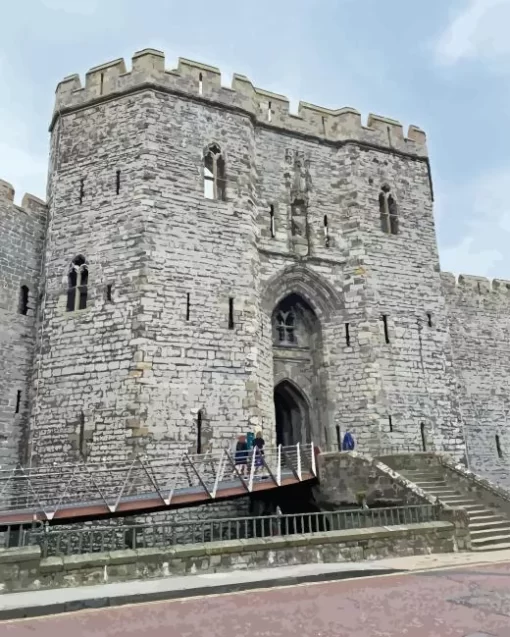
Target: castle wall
(401,271)
(202,253)
(136,373)
(339,383)
(21,246)
(479,324)
(88,397)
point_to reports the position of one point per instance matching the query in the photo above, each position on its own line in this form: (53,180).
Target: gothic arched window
(389,211)
(286,327)
(214,173)
(77,285)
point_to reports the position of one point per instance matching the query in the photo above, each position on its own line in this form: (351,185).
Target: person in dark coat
(241,455)
(258,445)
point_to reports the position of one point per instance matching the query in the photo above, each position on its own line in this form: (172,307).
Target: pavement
(65,600)
(458,600)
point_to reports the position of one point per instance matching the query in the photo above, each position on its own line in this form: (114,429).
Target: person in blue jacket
(348,443)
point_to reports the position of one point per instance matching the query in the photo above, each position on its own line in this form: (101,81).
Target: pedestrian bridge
(89,491)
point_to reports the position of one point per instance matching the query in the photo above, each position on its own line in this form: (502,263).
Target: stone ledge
(127,556)
(22,554)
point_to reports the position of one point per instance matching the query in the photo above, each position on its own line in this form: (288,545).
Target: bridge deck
(90,491)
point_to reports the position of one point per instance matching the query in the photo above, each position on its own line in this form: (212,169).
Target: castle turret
(22,230)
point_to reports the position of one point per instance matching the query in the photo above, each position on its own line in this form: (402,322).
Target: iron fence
(71,540)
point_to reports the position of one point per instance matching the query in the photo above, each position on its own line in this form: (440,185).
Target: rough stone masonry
(207,263)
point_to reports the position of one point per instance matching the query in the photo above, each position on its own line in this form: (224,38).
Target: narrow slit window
(347,335)
(77,290)
(18,401)
(231,313)
(498,447)
(23,300)
(81,442)
(323,125)
(214,174)
(82,189)
(109,289)
(386,330)
(338,438)
(271,221)
(326,231)
(200,84)
(199,432)
(117,182)
(102,83)
(269,112)
(429,319)
(423,437)
(188,305)
(388,211)
(390,423)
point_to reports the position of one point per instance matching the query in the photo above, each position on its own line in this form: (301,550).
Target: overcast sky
(443,65)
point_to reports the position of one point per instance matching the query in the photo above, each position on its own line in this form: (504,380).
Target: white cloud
(484,206)
(479,31)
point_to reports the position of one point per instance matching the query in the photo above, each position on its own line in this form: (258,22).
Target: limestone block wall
(479,324)
(176,338)
(326,275)
(201,300)
(21,246)
(87,369)
(412,353)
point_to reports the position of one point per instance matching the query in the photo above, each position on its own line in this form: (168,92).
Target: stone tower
(22,232)
(215,264)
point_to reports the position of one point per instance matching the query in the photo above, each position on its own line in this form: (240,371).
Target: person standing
(348,443)
(241,455)
(258,450)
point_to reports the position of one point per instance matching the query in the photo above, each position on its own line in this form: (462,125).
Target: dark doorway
(292,415)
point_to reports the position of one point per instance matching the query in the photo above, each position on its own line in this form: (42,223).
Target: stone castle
(208,263)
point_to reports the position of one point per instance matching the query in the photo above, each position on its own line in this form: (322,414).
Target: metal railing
(71,541)
(44,491)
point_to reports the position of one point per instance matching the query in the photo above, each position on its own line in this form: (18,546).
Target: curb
(199,591)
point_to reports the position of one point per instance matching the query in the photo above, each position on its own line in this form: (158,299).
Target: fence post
(279,467)
(298,450)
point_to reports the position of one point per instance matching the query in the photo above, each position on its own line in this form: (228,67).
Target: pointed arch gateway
(292,414)
(299,303)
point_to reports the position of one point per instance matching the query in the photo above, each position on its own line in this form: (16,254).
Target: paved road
(470,601)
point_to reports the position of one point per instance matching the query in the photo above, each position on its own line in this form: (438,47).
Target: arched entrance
(291,414)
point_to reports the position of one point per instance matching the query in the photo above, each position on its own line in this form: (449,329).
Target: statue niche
(299,185)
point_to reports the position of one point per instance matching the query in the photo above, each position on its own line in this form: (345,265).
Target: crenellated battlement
(203,82)
(476,284)
(29,202)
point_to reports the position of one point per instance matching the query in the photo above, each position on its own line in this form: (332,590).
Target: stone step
(423,477)
(491,547)
(486,516)
(430,485)
(489,533)
(478,511)
(494,540)
(440,493)
(458,500)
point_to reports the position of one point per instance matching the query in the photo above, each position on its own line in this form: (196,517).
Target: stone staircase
(489,530)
